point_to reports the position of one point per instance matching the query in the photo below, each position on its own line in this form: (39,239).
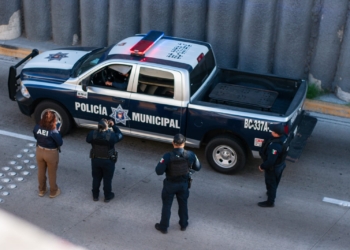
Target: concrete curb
(309,105)
(13,51)
(327,108)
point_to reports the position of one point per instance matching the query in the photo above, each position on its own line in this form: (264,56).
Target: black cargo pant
(272,179)
(170,189)
(102,169)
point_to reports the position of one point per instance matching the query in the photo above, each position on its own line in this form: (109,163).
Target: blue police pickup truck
(154,86)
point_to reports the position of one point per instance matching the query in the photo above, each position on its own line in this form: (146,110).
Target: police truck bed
(224,92)
(266,94)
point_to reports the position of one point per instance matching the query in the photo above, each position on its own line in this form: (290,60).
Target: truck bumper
(305,127)
(12,83)
(25,104)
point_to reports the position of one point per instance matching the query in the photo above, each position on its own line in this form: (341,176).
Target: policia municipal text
(176,165)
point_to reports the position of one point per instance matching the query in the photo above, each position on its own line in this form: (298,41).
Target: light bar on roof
(140,48)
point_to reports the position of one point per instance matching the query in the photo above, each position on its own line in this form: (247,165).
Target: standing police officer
(103,157)
(49,141)
(176,165)
(273,162)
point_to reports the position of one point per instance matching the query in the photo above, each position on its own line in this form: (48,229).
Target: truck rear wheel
(61,114)
(225,155)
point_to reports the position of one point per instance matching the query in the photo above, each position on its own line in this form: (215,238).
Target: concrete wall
(10,19)
(37,20)
(65,21)
(307,39)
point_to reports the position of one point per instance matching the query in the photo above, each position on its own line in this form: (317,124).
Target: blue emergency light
(140,48)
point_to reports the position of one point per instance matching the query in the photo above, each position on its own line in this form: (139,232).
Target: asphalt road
(222,208)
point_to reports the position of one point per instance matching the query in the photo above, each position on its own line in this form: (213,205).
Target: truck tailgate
(304,130)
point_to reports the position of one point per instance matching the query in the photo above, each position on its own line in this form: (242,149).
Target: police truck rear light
(140,48)
(200,57)
(286,129)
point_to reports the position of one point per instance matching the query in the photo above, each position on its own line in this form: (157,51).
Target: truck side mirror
(84,84)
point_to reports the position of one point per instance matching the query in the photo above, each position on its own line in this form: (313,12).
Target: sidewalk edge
(13,51)
(327,108)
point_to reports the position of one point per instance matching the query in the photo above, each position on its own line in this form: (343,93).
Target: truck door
(106,95)
(156,106)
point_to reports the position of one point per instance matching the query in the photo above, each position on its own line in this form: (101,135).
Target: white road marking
(24,137)
(337,202)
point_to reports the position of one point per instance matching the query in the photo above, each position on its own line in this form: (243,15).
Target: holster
(92,156)
(114,157)
(189,182)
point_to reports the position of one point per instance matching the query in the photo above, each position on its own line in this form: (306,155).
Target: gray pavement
(223,211)
(331,98)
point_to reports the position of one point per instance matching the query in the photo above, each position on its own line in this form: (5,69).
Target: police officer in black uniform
(273,162)
(176,165)
(103,157)
(118,77)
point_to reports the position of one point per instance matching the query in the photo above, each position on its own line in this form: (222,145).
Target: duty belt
(47,148)
(177,180)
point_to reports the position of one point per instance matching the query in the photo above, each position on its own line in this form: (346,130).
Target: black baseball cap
(179,139)
(277,128)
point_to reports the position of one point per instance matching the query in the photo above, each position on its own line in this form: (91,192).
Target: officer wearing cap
(176,166)
(273,162)
(103,157)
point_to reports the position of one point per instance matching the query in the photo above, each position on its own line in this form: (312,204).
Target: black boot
(109,198)
(157,226)
(266,204)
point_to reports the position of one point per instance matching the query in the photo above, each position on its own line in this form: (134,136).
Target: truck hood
(53,65)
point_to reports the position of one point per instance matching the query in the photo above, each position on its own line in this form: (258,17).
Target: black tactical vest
(178,166)
(100,145)
(282,155)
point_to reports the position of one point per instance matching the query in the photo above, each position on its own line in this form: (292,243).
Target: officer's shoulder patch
(161,160)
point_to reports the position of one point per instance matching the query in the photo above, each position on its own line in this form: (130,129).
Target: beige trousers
(47,159)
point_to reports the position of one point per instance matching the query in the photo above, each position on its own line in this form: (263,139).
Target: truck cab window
(156,82)
(115,76)
(201,72)
(88,61)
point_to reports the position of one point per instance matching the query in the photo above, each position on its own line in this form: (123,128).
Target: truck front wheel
(61,114)
(225,155)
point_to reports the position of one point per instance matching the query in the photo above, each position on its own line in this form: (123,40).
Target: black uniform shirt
(117,136)
(47,138)
(274,149)
(120,85)
(164,162)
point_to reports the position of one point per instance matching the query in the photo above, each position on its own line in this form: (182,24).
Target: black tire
(62,115)
(225,155)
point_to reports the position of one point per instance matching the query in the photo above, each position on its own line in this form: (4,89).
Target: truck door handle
(118,100)
(170,108)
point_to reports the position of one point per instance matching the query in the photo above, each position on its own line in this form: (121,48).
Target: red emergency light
(140,48)
(200,57)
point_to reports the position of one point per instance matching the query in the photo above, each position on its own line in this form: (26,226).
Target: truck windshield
(89,60)
(201,72)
